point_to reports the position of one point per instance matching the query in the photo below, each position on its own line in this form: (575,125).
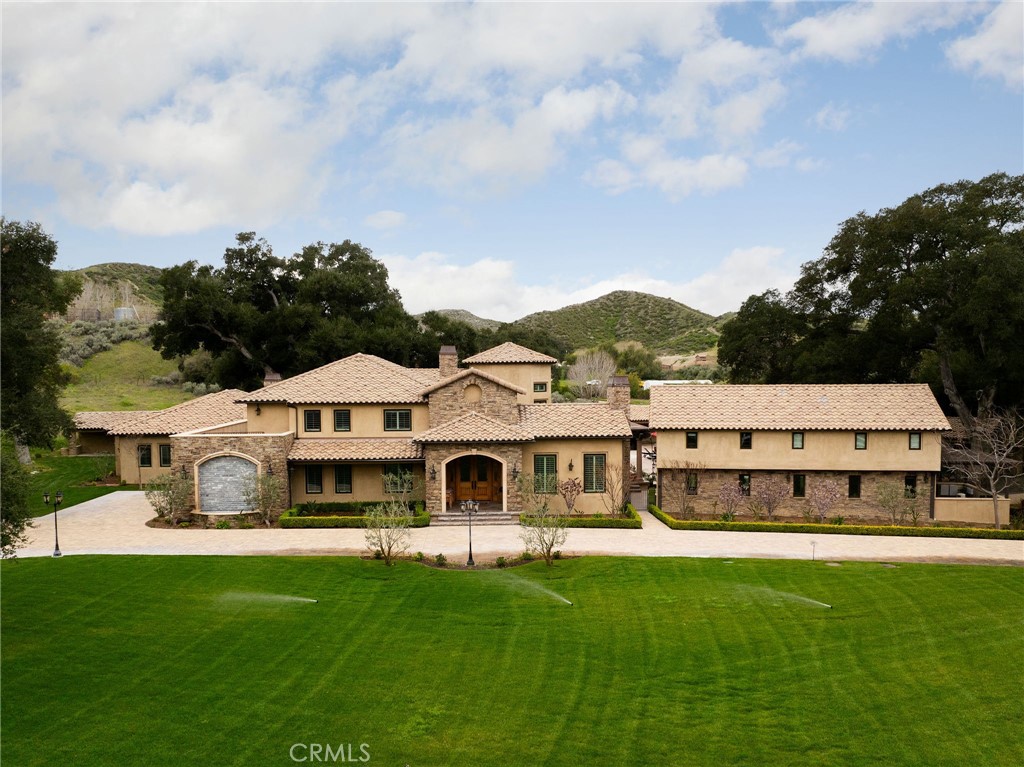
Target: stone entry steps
(453,517)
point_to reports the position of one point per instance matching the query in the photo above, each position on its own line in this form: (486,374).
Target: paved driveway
(115,524)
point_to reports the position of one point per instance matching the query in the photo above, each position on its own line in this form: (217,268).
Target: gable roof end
(509,352)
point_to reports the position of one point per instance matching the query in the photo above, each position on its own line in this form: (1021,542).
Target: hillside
(109,286)
(461,315)
(661,324)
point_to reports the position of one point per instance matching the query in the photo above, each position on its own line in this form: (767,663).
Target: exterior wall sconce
(433,473)
(270,469)
(184,471)
(258,411)
(570,464)
(515,472)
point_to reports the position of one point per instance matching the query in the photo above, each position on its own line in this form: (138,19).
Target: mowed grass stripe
(113,660)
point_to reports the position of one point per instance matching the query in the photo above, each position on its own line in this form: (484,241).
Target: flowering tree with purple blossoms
(770,493)
(824,496)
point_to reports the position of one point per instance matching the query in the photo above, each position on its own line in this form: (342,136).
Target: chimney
(448,361)
(270,376)
(618,393)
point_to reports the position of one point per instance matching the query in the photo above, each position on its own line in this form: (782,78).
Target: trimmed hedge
(631,521)
(797,527)
(342,508)
(291,519)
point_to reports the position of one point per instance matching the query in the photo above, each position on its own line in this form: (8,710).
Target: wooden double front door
(477,478)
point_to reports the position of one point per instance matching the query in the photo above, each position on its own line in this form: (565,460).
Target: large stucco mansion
(344,431)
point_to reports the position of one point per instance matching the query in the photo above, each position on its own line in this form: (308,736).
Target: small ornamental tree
(171,496)
(730,495)
(770,492)
(823,496)
(387,530)
(543,530)
(693,473)
(262,495)
(896,501)
(570,489)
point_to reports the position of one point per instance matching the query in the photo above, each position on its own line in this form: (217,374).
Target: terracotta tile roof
(797,406)
(360,378)
(107,419)
(473,371)
(572,419)
(639,413)
(356,449)
(474,427)
(210,410)
(508,352)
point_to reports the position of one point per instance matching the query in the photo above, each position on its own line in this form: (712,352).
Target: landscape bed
(827,529)
(214,660)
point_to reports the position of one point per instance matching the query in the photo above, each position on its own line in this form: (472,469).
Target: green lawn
(52,472)
(119,379)
(182,660)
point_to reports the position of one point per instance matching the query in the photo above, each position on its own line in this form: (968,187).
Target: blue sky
(501,158)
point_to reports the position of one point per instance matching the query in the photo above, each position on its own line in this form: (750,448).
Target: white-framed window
(398,420)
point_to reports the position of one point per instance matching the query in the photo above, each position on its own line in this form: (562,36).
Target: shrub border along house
(631,520)
(291,519)
(797,527)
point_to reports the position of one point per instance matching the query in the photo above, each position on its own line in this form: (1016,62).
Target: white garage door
(222,484)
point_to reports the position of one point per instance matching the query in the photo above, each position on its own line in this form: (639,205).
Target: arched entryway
(476,477)
(221,483)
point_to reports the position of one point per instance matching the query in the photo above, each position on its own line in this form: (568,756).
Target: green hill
(106,287)
(661,324)
(461,315)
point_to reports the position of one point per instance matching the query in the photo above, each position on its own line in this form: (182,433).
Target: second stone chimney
(618,393)
(448,361)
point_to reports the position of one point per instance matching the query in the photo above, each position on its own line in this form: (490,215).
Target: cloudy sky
(502,158)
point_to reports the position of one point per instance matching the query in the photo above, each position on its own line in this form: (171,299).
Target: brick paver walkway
(115,524)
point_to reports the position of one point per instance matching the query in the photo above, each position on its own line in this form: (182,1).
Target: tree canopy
(30,372)
(262,314)
(926,291)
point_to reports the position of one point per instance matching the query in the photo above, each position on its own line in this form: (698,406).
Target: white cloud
(832,117)
(385,219)
(779,155)
(852,32)
(996,49)
(491,288)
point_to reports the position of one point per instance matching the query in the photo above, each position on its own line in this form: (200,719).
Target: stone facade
(448,361)
(705,503)
(438,455)
(270,451)
(459,397)
(618,393)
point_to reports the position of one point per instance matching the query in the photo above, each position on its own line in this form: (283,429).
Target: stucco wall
(566,450)
(126,458)
(367,483)
(972,510)
(366,421)
(273,418)
(822,451)
(95,442)
(524,376)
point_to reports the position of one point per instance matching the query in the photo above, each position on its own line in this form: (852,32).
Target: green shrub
(292,519)
(629,521)
(526,556)
(557,555)
(441,560)
(501,562)
(418,557)
(223,524)
(803,527)
(837,520)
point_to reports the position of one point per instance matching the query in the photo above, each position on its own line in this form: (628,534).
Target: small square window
(746,440)
(799,485)
(854,486)
(145,455)
(692,483)
(915,440)
(691,440)
(798,440)
(311,420)
(860,440)
(314,479)
(540,386)
(397,420)
(165,455)
(744,484)
(343,420)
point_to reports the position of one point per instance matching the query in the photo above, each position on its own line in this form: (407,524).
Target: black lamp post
(58,499)
(470,508)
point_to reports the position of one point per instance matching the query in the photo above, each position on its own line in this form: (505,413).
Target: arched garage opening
(221,483)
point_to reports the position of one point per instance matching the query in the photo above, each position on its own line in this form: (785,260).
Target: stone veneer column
(448,361)
(618,393)
(436,455)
